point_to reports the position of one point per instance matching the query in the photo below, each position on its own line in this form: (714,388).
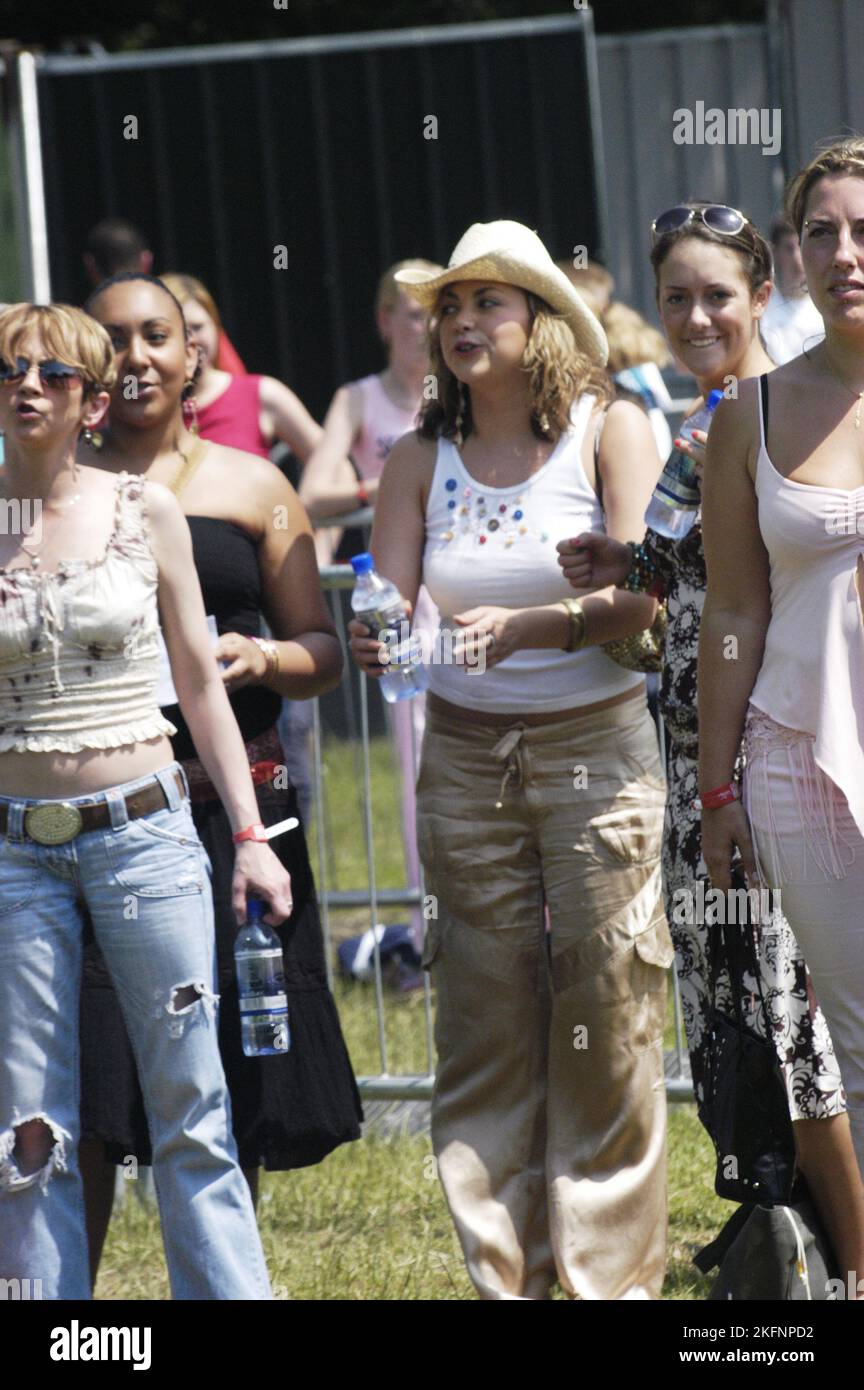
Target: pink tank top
(383,424)
(233,417)
(812,673)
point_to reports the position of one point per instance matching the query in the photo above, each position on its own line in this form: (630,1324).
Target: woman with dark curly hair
(540,785)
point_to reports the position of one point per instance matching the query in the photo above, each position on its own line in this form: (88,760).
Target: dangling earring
(460,417)
(544,422)
(190,408)
(93,438)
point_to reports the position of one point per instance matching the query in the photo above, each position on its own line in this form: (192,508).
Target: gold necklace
(859,395)
(189,462)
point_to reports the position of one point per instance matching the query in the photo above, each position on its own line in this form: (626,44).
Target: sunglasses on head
(717,217)
(57,376)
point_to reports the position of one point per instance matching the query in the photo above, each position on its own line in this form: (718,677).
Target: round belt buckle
(53,823)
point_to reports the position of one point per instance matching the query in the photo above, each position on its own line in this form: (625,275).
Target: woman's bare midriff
(59,776)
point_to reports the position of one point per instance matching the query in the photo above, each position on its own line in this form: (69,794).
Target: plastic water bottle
(261,982)
(673,507)
(378,604)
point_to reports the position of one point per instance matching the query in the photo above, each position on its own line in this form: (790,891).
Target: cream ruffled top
(79,655)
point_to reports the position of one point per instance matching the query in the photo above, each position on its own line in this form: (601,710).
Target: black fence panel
(225,157)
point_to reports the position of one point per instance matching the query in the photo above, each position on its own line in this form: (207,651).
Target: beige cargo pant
(549,1109)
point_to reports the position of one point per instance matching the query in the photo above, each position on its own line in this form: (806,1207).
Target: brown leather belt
(55,822)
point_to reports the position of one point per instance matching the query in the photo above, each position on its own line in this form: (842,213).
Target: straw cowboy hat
(509,254)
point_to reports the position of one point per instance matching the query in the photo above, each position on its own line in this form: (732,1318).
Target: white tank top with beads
(496,545)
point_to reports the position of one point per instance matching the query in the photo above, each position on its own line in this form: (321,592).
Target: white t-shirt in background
(789,325)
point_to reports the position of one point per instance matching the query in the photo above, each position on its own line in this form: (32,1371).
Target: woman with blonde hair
(636,354)
(244,411)
(782,517)
(540,785)
(365,419)
(94,812)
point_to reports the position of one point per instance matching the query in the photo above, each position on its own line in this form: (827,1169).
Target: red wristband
(718,796)
(252,832)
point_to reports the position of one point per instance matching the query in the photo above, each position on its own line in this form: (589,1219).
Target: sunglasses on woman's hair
(56,376)
(717,217)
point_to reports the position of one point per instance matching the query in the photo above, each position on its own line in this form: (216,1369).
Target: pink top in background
(232,418)
(383,424)
(812,673)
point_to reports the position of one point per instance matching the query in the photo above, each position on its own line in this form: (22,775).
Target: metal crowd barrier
(387,1085)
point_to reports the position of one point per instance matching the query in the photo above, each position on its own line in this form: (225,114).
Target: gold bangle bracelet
(576,613)
(271,656)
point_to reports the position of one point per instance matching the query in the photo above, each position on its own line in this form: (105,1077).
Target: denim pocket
(177,827)
(19,874)
(158,856)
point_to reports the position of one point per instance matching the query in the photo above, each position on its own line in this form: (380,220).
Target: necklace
(36,560)
(859,395)
(189,462)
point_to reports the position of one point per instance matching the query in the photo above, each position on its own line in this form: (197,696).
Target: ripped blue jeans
(146,885)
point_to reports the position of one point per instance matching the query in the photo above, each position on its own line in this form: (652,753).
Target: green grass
(370,1222)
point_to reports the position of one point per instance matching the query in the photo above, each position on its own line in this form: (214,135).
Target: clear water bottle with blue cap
(378,604)
(261,983)
(673,507)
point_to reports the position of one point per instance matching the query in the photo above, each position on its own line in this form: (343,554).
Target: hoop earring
(458,438)
(190,410)
(93,438)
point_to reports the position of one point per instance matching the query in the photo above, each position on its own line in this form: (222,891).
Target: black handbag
(745,1108)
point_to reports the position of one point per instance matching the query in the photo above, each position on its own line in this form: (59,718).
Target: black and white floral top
(680,566)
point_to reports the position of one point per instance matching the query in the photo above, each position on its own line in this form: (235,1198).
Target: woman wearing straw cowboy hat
(540,784)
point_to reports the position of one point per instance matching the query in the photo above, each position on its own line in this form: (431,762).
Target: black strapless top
(226,559)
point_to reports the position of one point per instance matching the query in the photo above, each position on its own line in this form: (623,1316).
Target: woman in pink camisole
(247,412)
(365,419)
(782,646)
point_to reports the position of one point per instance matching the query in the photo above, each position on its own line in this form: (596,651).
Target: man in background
(791,322)
(114,246)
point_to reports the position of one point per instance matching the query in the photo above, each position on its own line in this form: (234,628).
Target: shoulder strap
(763,410)
(598,477)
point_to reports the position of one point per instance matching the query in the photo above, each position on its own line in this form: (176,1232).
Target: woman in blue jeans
(94,812)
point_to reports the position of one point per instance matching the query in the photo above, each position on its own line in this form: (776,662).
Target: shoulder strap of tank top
(763,410)
(598,476)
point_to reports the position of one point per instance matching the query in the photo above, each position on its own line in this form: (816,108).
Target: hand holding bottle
(694,448)
(593,560)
